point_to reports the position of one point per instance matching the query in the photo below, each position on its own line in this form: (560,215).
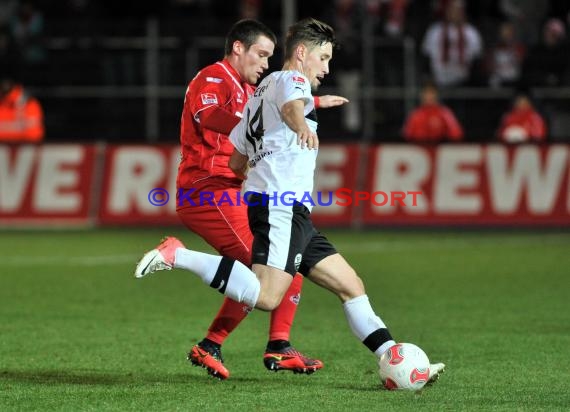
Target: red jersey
(432,123)
(206,153)
(21,118)
(522,126)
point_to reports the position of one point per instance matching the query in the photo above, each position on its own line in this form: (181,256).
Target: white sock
(367,326)
(230,277)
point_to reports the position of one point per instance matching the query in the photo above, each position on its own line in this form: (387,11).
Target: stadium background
(79,333)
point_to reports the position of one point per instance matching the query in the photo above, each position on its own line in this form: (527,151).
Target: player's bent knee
(267,302)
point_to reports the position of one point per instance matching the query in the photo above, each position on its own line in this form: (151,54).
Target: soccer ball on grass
(404,366)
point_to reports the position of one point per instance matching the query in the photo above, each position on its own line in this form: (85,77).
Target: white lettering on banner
(525,175)
(402,168)
(327,180)
(58,177)
(451,178)
(15,179)
(135,171)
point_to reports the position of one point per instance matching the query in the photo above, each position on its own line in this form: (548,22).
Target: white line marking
(69,260)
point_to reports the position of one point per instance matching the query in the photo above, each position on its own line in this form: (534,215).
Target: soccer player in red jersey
(213,105)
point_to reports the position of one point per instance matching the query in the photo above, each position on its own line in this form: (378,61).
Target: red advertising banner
(337,167)
(46,185)
(139,185)
(131,176)
(404,185)
(471,185)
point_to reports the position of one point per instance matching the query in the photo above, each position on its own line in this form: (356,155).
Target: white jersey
(278,165)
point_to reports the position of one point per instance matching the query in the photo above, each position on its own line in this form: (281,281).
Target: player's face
(316,64)
(255,60)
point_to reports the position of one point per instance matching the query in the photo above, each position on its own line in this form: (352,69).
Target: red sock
(282,316)
(230,315)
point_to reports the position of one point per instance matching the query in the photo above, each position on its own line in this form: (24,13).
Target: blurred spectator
(21,116)
(346,17)
(452,46)
(393,14)
(26,28)
(547,62)
(250,9)
(432,121)
(523,123)
(504,60)
(527,15)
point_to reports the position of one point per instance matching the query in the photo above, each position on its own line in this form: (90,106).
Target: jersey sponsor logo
(298,79)
(209,98)
(260,90)
(253,162)
(213,79)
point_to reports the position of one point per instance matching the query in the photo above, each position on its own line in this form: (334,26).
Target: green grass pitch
(78,332)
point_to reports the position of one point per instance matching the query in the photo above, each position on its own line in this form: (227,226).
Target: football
(404,366)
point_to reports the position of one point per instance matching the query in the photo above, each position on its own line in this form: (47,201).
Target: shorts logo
(298,259)
(209,98)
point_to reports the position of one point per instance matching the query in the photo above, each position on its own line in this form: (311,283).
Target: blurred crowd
(516,45)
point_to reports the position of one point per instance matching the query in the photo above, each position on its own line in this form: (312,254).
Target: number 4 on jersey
(255,130)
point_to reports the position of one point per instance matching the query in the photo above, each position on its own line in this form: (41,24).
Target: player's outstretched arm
(294,117)
(330,100)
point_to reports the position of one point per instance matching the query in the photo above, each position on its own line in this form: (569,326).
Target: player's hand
(331,101)
(242,174)
(306,138)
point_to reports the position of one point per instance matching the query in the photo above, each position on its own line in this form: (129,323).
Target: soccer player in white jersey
(276,146)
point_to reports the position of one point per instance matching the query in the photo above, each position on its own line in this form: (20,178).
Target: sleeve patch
(209,98)
(213,79)
(298,80)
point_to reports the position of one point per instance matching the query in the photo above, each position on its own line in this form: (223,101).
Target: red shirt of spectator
(432,121)
(21,116)
(522,123)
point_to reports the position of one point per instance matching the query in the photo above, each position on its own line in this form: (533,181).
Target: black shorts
(284,236)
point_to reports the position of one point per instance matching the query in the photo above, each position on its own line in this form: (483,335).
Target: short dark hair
(310,32)
(247,31)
